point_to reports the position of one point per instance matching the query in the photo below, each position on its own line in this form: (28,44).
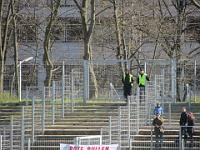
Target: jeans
(159,137)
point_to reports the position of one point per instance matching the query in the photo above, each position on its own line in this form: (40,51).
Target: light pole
(20,76)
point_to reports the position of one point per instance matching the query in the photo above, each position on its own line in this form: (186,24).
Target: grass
(7,98)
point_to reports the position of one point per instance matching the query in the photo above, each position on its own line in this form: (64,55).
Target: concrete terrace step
(167,132)
(75,126)
(80,131)
(167,137)
(92,114)
(84,122)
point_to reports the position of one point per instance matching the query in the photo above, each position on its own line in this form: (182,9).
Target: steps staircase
(7,110)
(88,119)
(143,140)
(85,120)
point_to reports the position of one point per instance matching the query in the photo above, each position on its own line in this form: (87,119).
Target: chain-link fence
(50,103)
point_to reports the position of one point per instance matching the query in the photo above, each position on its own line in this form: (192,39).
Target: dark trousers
(190,133)
(142,93)
(184,131)
(127,91)
(159,139)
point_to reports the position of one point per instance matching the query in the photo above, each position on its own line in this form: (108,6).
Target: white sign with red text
(88,147)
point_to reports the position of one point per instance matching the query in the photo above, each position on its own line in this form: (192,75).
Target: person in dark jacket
(127,81)
(190,129)
(183,122)
(141,81)
(158,129)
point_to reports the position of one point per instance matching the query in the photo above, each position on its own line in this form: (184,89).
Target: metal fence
(71,79)
(122,129)
(50,103)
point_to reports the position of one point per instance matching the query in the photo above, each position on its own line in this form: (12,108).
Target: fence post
(119,126)
(0,142)
(26,96)
(137,110)
(163,86)
(130,143)
(22,129)
(53,101)
(109,125)
(169,120)
(151,137)
(33,118)
(149,123)
(29,144)
(4,136)
(195,81)
(155,85)
(63,90)
(86,82)
(11,132)
(72,91)
(129,114)
(43,109)
(180,141)
(183,147)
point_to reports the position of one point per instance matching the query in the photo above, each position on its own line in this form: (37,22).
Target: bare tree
(87,29)
(196,3)
(54,6)
(5,18)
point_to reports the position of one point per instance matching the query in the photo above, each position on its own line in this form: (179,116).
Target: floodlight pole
(20,76)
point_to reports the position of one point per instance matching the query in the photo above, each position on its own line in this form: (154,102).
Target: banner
(88,147)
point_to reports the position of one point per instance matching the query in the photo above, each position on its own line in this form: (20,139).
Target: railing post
(11,132)
(33,119)
(169,120)
(180,139)
(43,110)
(53,102)
(195,81)
(119,126)
(155,85)
(110,128)
(130,143)
(149,118)
(72,90)
(0,142)
(29,144)
(22,129)
(137,110)
(129,122)
(151,137)
(163,86)
(26,96)
(182,144)
(63,90)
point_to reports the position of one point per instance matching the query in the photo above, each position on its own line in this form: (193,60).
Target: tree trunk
(3,41)
(87,29)
(48,65)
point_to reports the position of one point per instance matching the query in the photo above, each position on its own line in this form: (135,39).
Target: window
(67,32)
